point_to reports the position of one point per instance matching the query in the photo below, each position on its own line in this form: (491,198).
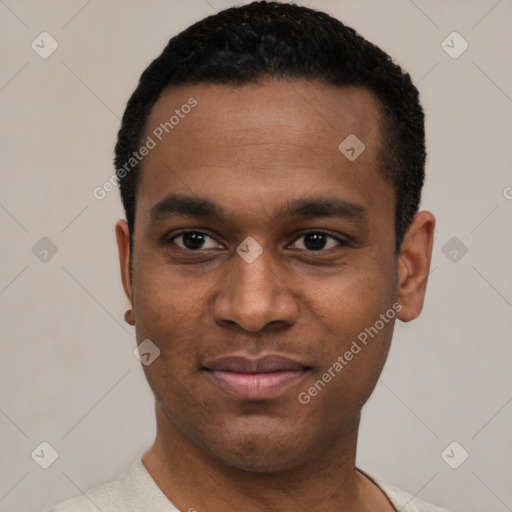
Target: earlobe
(123,247)
(414,265)
(129,317)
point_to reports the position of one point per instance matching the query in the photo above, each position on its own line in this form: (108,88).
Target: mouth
(255,379)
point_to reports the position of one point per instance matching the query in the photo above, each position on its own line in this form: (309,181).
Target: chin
(259,459)
(258,451)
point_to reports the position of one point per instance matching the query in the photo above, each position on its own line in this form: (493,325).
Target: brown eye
(317,241)
(195,241)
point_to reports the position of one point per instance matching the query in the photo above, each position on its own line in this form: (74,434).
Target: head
(291,152)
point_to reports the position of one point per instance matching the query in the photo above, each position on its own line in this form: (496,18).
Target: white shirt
(136,491)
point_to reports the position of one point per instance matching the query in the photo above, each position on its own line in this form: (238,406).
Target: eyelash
(341,242)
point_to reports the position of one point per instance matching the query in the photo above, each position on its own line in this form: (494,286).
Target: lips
(266,364)
(255,379)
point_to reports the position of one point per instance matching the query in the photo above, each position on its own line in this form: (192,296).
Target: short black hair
(242,45)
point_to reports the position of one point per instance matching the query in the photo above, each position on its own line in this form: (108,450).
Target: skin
(252,149)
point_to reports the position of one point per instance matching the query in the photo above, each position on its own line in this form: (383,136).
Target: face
(262,256)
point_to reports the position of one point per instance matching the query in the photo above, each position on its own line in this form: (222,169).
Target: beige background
(67,372)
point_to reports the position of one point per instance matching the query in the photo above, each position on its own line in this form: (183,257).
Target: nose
(254,296)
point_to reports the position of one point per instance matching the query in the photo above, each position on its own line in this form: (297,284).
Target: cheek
(357,316)
(348,375)
(355,297)
(164,298)
(164,315)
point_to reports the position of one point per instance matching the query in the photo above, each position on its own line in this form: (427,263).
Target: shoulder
(402,500)
(104,497)
(134,491)
(406,502)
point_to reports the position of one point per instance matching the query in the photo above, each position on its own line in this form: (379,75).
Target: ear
(414,265)
(123,246)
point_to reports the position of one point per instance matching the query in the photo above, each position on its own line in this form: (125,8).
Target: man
(270,163)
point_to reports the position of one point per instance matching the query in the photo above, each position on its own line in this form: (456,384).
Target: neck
(192,479)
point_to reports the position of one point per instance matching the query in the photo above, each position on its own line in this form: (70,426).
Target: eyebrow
(306,208)
(189,206)
(313,207)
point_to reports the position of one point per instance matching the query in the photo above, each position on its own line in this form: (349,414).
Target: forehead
(271,140)
(271,112)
